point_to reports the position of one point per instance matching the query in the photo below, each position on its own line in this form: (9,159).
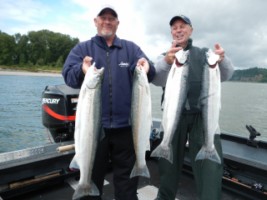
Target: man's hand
(143,63)
(219,51)
(170,55)
(86,63)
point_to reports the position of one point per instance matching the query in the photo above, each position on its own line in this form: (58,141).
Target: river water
(21,123)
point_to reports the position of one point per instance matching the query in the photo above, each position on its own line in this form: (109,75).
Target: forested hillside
(250,75)
(37,48)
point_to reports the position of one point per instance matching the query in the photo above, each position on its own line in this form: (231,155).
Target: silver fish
(210,100)
(87,131)
(141,114)
(174,100)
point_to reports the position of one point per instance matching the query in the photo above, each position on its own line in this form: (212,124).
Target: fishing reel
(253,133)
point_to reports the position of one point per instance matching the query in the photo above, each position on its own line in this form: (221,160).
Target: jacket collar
(100,41)
(189,44)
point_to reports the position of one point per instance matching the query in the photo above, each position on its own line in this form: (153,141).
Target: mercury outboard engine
(58,111)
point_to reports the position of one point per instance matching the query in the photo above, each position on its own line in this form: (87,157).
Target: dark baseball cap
(108,9)
(182,17)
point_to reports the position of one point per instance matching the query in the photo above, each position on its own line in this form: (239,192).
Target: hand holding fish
(86,63)
(219,51)
(170,55)
(143,63)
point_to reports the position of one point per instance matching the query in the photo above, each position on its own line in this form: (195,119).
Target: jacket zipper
(110,88)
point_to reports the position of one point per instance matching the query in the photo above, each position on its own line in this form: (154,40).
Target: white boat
(43,172)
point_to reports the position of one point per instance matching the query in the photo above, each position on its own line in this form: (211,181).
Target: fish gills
(87,130)
(141,121)
(210,100)
(174,99)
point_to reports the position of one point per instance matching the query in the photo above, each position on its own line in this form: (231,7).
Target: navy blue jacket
(119,61)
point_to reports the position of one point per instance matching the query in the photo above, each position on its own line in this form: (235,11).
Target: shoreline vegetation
(255,75)
(44,51)
(4,70)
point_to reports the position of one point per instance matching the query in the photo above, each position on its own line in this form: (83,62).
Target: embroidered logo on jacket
(124,64)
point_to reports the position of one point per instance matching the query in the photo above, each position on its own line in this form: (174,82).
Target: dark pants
(117,147)
(207,174)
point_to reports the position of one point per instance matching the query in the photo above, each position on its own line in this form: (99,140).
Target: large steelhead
(210,100)
(87,131)
(174,101)
(141,115)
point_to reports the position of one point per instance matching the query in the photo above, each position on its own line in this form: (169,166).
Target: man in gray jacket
(207,174)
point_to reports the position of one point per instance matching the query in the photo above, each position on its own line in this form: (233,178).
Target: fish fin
(163,153)
(140,171)
(101,134)
(161,128)
(86,190)
(93,189)
(148,147)
(212,155)
(74,164)
(218,130)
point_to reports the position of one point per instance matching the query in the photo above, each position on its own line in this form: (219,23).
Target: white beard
(106,34)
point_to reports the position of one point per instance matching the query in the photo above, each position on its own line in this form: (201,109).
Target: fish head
(138,70)
(141,75)
(212,58)
(181,56)
(93,77)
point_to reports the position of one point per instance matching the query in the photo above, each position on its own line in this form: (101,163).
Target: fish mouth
(177,63)
(181,57)
(212,58)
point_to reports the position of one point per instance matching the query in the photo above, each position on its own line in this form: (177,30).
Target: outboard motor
(58,111)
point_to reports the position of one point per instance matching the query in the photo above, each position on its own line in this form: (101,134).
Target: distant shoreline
(8,72)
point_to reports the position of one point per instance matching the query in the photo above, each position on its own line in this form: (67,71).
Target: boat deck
(42,173)
(147,188)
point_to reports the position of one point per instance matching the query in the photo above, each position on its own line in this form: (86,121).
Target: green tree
(7,49)
(59,46)
(37,48)
(22,49)
(46,46)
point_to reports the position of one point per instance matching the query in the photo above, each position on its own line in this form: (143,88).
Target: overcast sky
(240,26)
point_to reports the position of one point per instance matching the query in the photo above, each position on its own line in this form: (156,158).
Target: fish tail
(82,190)
(163,153)
(140,171)
(85,190)
(212,155)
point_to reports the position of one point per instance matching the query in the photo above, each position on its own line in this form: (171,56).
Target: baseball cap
(109,9)
(182,17)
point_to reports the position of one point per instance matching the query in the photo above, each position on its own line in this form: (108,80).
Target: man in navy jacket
(119,58)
